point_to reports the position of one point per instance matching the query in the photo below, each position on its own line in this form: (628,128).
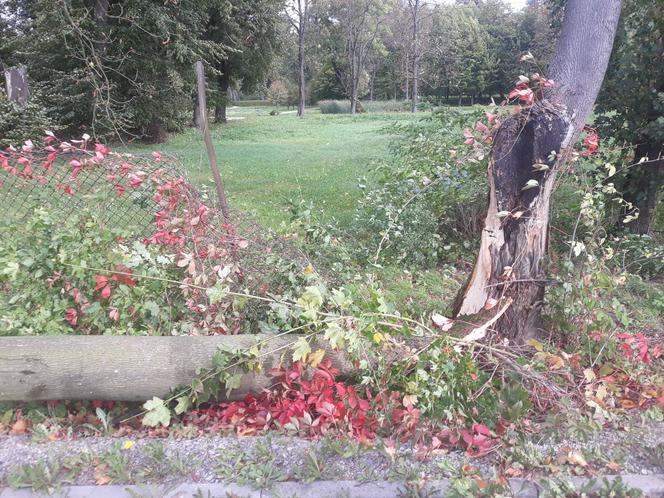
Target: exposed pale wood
(512,257)
(126,368)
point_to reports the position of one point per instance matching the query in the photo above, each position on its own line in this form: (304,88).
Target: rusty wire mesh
(134,209)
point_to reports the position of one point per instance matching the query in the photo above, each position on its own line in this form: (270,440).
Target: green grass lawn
(267,160)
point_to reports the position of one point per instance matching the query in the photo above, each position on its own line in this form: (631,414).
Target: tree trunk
(223,82)
(415,7)
(354,83)
(302,97)
(511,260)
(643,185)
(198,123)
(415,90)
(16,84)
(101,20)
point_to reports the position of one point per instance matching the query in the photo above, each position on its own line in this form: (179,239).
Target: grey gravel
(198,460)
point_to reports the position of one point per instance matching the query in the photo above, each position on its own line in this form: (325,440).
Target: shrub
(334,106)
(386,105)
(48,288)
(21,122)
(370,106)
(428,202)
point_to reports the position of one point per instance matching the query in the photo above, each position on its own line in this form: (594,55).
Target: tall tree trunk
(101,21)
(353,97)
(223,82)
(643,185)
(415,90)
(16,84)
(511,259)
(302,84)
(414,10)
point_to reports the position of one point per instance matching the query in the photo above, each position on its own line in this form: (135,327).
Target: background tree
(360,22)
(126,70)
(511,259)
(460,61)
(415,10)
(633,100)
(252,29)
(298,14)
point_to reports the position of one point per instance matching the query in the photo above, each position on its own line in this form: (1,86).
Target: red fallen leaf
(102,149)
(524,94)
(20,426)
(490,303)
(27,170)
(123,278)
(157,156)
(592,143)
(481,429)
(481,127)
(501,426)
(71,315)
(103,285)
(119,189)
(134,180)
(114,314)
(490,117)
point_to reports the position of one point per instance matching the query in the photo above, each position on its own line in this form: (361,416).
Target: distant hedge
(253,103)
(343,106)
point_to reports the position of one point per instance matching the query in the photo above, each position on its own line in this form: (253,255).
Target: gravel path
(258,460)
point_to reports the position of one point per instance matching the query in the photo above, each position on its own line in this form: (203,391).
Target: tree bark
(223,80)
(643,185)
(511,259)
(16,84)
(136,368)
(303,7)
(128,368)
(415,12)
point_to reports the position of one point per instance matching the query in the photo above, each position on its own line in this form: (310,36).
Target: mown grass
(268,160)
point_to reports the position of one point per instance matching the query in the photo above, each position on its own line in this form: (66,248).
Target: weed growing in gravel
(313,468)
(340,447)
(256,468)
(113,467)
(605,488)
(41,476)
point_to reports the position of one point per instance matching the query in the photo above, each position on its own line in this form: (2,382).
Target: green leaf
(311,298)
(232,383)
(301,349)
(335,335)
(184,403)
(216,293)
(157,413)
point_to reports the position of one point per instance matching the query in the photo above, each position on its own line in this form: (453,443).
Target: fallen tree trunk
(130,368)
